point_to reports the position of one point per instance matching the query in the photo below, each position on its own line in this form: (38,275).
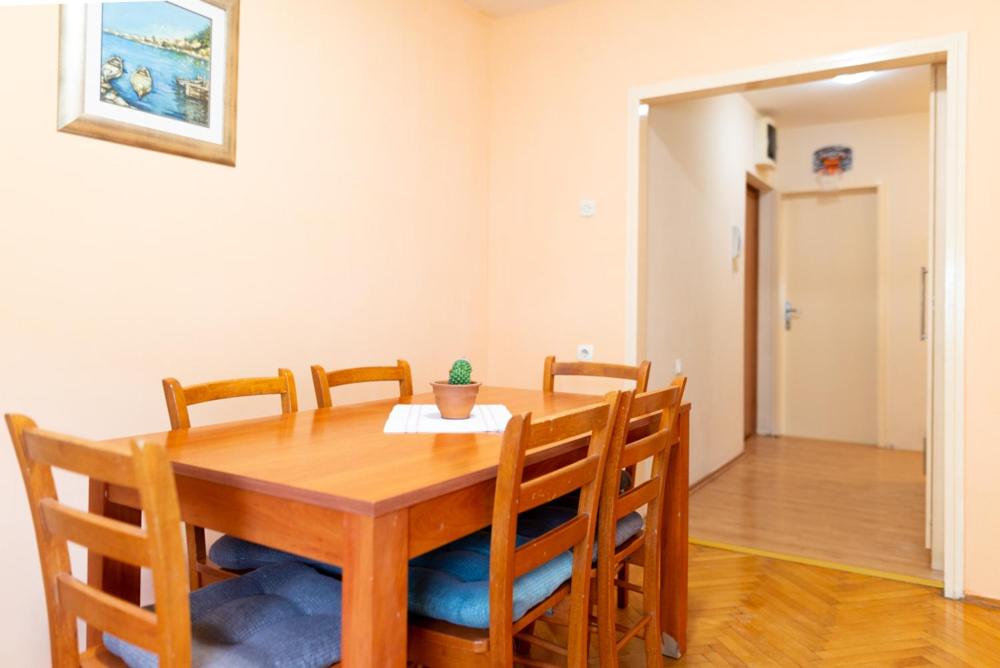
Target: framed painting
(157,75)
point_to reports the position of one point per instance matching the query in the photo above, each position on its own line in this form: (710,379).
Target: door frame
(751,335)
(950,50)
(881,316)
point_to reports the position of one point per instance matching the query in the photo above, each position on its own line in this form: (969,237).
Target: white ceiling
(888,93)
(507,7)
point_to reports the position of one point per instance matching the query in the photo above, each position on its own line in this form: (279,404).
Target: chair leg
(523,647)
(623,593)
(607,615)
(197,554)
(651,607)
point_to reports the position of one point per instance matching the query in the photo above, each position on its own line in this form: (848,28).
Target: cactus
(461,373)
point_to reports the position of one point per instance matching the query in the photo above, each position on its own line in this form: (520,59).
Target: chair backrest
(660,408)
(640,374)
(179,397)
(159,546)
(323,380)
(514,495)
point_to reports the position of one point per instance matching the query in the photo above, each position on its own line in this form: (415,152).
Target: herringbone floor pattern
(753,611)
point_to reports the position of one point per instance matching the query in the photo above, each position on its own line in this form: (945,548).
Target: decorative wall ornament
(830,163)
(157,75)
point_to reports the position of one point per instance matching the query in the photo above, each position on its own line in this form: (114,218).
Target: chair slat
(636,498)
(232,389)
(655,402)
(568,425)
(108,613)
(552,485)
(639,374)
(78,456)
(533,554)
(367,374)
(121,541)
(598,369)
(324,380)
(644,448)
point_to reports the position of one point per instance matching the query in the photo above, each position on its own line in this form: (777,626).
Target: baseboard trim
(983,602)
(717,472)
(808,561)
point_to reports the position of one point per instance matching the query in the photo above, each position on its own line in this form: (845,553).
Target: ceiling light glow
(850,79)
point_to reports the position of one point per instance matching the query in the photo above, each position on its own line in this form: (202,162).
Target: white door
(828,350)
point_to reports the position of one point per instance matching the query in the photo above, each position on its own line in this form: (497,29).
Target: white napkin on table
(426,419)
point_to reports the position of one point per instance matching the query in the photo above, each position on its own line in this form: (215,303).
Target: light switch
(737,242)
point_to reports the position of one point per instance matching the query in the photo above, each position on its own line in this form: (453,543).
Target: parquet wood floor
(747,610)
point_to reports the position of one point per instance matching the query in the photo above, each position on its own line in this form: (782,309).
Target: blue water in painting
(165,67)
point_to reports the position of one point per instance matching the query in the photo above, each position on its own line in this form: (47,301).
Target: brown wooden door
(751,271)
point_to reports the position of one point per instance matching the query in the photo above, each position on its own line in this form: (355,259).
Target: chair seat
(452,583)
(286,615)
(236,554)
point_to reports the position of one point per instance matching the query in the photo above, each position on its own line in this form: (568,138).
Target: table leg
(674,574)
(375,596)
(113,577)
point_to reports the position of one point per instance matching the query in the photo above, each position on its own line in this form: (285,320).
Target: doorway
(947,225)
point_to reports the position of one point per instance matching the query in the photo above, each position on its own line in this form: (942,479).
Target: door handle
(790,312)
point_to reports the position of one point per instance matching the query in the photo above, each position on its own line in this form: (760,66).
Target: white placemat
(426,419)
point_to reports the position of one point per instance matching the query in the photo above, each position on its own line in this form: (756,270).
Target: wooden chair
(323,380)
(640,374)
(439,643)
(201,570)
(226,615)
(655,443)
(167,632)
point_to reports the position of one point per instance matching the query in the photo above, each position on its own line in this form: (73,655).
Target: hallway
(839,502)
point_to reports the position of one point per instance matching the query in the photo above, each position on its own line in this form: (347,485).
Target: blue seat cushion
(452,583)
(236,554)
(286,615)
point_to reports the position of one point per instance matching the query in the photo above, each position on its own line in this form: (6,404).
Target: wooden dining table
(330,485)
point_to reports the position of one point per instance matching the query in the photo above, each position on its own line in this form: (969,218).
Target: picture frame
(156,75)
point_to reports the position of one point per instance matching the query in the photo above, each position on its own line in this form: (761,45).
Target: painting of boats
(152,74)
(156,57)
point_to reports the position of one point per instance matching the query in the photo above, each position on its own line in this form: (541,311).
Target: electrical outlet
(678,366)
(585,352)
(588,208)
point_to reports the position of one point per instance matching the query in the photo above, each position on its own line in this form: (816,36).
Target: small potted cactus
(456,397)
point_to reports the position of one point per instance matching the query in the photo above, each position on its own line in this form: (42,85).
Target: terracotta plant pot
(455,401)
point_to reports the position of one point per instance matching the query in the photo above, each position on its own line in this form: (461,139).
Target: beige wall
(560,80)
(699,153)
(352,231)
(892,152)
(374,134)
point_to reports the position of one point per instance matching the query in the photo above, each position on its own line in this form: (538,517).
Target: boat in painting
(194,89)
(113,68)
(142,82)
